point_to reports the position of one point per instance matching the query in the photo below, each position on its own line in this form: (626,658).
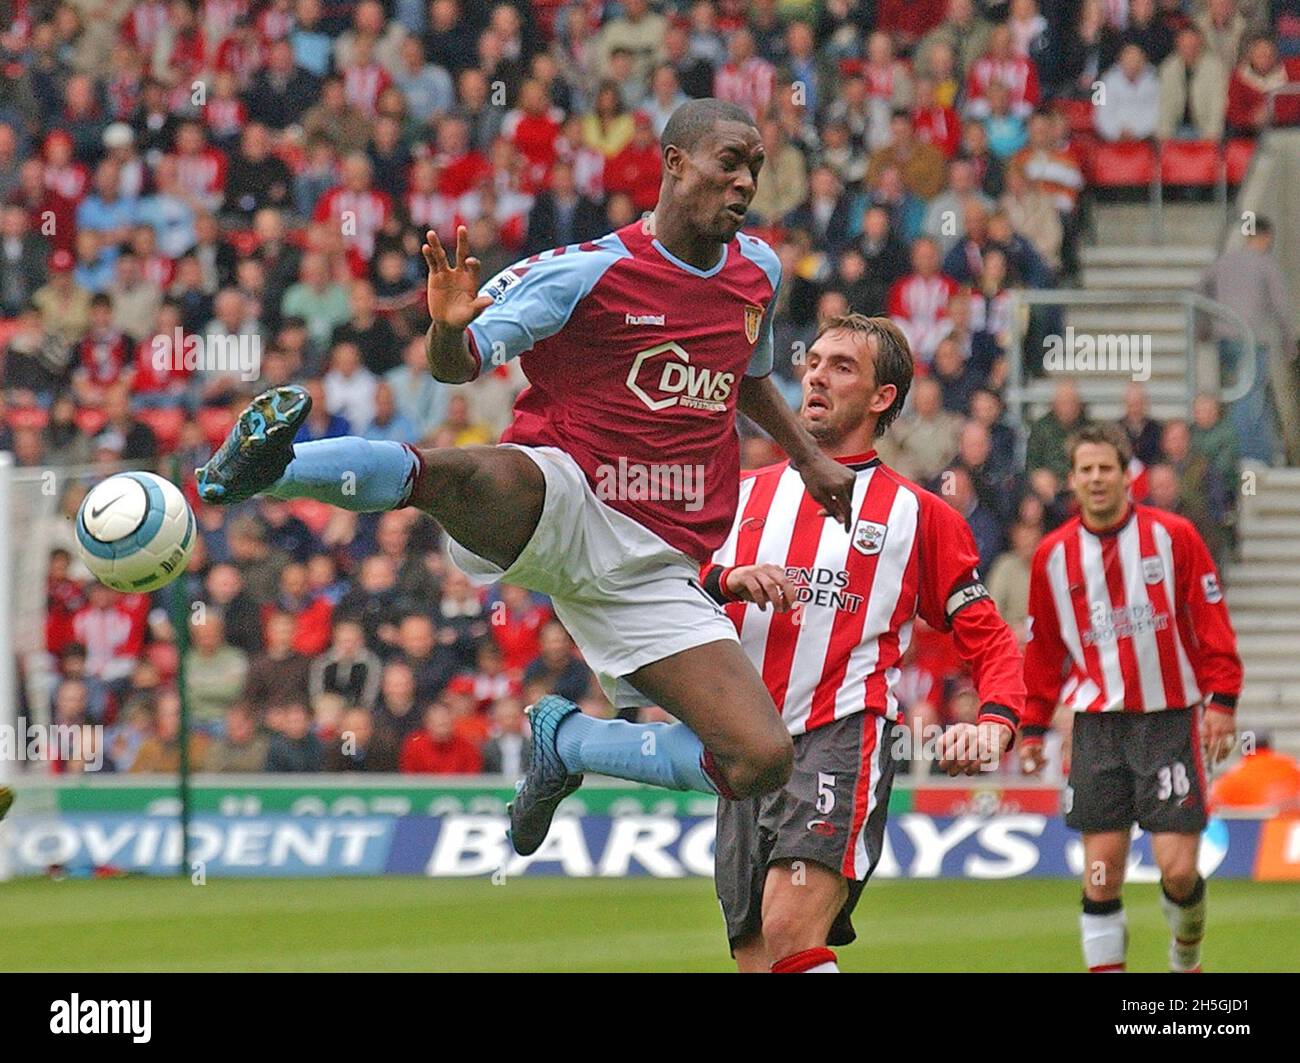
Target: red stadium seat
(27,417)
(1237,158)
(166,425)
(1124,165)
(90,421)
(1078,114)
(8,327)
(1190,163)
(216,423)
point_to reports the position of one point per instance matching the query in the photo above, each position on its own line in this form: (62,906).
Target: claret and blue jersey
(632,354)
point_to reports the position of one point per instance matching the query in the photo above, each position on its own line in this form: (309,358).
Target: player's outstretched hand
(968,748)
(1218,734)
(453,287)
(763,585)
(831,485)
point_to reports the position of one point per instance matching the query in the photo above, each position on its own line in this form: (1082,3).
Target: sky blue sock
(351,473)
(662,754)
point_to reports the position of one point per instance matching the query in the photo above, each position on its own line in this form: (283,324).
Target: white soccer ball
(135,532)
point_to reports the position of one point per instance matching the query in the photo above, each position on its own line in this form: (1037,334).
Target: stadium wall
(331,828)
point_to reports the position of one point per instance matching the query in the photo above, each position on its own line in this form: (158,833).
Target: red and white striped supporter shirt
(750,84)
(838,651)
(1130,619)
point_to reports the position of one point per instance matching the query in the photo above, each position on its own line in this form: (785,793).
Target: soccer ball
(135,532)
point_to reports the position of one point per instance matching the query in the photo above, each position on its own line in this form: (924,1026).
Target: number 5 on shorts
(825,793)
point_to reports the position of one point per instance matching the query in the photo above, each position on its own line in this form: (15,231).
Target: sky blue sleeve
(533,300)
(760,362)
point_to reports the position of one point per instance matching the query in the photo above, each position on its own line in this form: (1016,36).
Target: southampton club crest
(869,537)
(753,319)
(1153,570)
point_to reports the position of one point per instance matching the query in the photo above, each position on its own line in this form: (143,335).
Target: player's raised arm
(829,482)
(453,303)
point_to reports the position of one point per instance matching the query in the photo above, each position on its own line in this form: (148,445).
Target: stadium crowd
(254,178)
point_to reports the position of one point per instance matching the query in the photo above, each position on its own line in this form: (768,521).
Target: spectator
(295,747)
(946,214)
(920,165)
(360,746)
(1249,280)
(963,32)
(1148,30)
(280,673)
(608,128)
(561,215)
(349,386)
(1034,216)
(432,664)
(1193,91)
(1142,430)
(397,712)
(23,258)
(1224,30)
(923,440)
(160,754)
(1008,578)
(1132,98)
(1214,438)
(918,301)
(257,178)
(1253,80)
(557,669)
(1203,497)
(958,491)
(1047,436)
(318,300)
(636,169)
(347,668)
(224,591)
(1089,48)
(243,748)
(508,748)
(745,79)
(215,671)
(1000,65)
(436,749)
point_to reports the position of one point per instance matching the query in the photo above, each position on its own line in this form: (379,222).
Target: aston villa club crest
(753,320)
(869,537)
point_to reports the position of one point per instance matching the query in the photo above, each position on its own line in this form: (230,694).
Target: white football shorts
(627,597)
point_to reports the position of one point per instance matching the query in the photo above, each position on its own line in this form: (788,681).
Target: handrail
(1190,302)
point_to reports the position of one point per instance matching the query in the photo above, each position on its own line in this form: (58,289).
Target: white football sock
(1186,919)
(1105,935)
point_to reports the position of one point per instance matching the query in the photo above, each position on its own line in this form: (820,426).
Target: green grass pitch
(408,924)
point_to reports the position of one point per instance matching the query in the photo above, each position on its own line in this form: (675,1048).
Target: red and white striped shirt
(749,85)
(360,214)
(838,652)
(1130,619)
(1017,73)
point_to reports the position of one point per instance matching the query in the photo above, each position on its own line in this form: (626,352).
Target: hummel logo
(95,513)
(645,319)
